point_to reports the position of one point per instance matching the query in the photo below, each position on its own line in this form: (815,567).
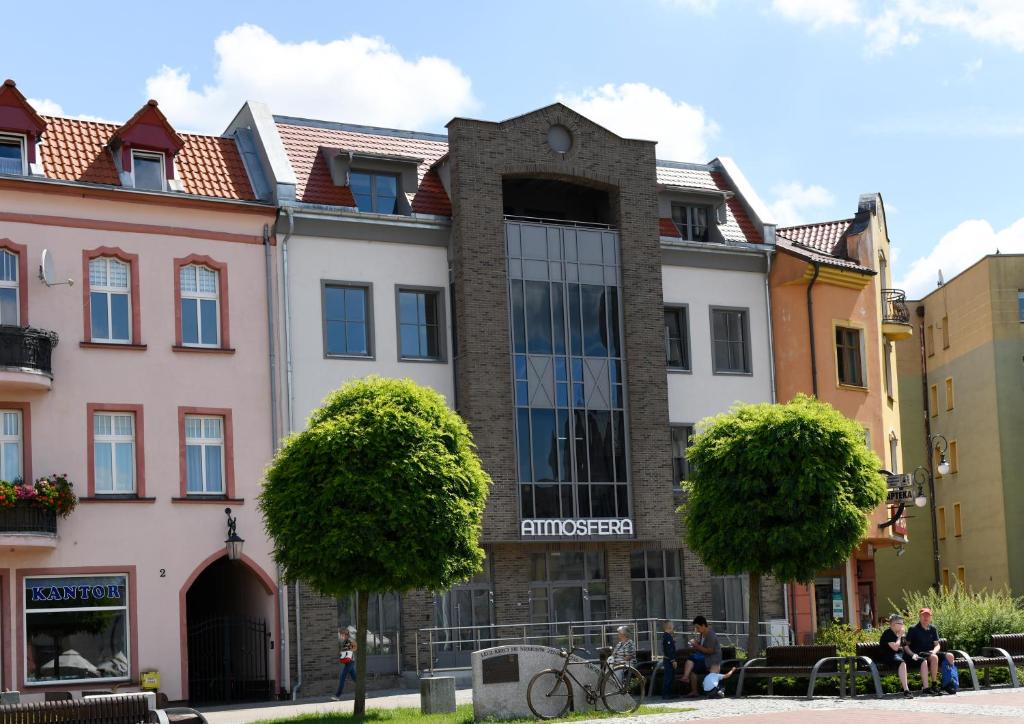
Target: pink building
(156,403)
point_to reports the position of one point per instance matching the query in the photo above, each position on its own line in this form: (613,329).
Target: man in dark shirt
(892,643)
(668,652)
(923,646)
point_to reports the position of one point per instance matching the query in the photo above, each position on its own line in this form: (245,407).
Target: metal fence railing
(448,648)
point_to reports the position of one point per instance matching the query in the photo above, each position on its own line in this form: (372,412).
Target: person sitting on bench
(923,646)
(706,657)
(893,641)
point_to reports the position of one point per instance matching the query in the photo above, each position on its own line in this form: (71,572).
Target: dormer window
(148,170)
(692,221)
(375,192)
(12,154)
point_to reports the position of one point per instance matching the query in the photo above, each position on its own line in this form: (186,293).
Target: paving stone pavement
(998,705)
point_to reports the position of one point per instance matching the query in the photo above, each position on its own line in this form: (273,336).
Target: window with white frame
(113,443)
(204,454)
(12,154)
(10,445)
(76,629)
(9,292)
(148,170)
(200,306)
(110,300)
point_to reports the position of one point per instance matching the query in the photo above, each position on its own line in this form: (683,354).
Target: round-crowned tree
(382,491)
(781,490)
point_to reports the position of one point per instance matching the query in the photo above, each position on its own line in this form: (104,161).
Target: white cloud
(972,68)
(957,250)
(794,201)
(886,32)
(817,13)
(636,110)
(356,79)
(47,107)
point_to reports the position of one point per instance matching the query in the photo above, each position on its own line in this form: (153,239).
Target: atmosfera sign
(575,527)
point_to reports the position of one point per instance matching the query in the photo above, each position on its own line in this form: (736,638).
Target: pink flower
(24,492)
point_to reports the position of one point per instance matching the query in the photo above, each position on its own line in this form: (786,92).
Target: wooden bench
(814,661)
(128,709)
(868,656)
(650,667)
(1006,650)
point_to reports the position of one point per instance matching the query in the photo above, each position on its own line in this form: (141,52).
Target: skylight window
(12,155)
(148,171)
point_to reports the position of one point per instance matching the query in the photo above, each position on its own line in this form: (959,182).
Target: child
(713,684)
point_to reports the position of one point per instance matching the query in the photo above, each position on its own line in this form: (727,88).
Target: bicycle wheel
(622,689)
(548,694)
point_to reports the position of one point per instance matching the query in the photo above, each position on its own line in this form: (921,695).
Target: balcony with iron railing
(895,315)
(26,357)
(24,526)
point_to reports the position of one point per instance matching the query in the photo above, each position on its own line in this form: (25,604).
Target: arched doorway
(228,615)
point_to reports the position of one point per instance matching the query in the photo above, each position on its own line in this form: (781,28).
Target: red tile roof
(823,242)
(314,185)
(666,227)
(737,227)
(75,150)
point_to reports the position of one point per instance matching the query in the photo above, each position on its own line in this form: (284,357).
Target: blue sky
(817,100)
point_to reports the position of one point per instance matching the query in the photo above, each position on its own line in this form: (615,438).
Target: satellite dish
(46,273)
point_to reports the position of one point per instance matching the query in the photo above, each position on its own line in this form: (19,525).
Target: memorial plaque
(501,669)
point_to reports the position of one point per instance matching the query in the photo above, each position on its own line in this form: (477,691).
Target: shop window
(347,319)
(204,455)
(420,326)
(691,221)
(849,357)
(199,287)
(730,341)
(10,445)
(148,171)
(374,192)
(933,400)
(110,300)
(113,440)
(76,629)
(677,338)
(945,333)
(681,435)
(940,514)
(949,393)
(657,584)
(464,615)
(958,523)
(12,155)
(383,626)
(10,291)
(568,586)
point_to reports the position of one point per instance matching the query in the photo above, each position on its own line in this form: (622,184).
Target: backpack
(950,677)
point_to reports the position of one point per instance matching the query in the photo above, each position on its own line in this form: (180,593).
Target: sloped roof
(822,242)
(703,177)
(304,138)
(75,150)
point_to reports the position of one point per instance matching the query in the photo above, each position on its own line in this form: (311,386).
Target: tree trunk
(362,604)
(753,616)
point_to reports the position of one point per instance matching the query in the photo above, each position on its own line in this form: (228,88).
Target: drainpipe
(771,338)
(275,436)
(929,455)
(810,329)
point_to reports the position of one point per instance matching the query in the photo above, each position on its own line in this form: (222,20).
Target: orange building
(834,319)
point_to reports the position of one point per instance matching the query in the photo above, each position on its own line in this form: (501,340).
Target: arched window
(200,306)
(110,300)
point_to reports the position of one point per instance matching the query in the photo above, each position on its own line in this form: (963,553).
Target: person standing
(669,663)
(923,646)
(347,660)
(893,642)
(707,654)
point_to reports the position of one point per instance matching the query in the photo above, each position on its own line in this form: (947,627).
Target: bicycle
(550,693)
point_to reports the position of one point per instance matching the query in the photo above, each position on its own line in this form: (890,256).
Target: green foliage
(966,618)
(382,492)
(463,714)
(780,489)
(845,638)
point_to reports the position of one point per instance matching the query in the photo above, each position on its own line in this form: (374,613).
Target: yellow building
(971,401)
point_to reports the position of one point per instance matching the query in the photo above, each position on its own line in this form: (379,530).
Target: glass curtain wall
(571,427)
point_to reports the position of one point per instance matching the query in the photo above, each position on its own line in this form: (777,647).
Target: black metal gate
(228,660)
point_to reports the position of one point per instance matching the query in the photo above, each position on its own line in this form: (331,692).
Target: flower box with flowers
(35,507)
